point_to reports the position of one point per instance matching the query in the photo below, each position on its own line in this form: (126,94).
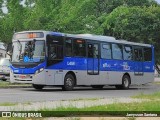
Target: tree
(135,24)
(12,21)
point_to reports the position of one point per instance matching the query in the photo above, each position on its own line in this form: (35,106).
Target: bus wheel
(38,87)
(125,83)
(97,86)
(69,82)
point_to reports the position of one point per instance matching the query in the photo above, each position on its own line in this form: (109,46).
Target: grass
(152,96)
(131,118)
(158,83)
(149,105)
(145,106)
(4,84)
(10,118)
(109,109)
(8,104)
(18,118)
(84,99)
(14,104)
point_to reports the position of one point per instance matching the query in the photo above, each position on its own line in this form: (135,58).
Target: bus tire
(125,83)
(38,87)
(69,83)
(97,86)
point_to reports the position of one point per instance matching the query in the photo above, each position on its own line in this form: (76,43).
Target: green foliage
(153,96)
(134,20)
(135,24)
(132,23)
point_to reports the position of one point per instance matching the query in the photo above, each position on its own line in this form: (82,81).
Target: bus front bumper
(21,78)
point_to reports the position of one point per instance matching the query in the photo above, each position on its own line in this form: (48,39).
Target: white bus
(46,58)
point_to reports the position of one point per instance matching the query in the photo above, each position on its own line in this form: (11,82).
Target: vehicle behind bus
(5,69)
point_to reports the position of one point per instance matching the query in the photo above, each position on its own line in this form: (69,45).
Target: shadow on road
(76,89)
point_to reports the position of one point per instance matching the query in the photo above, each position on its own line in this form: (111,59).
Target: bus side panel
(77,65)
(39,78)
(148,68)
(81,76)
(56,72)
(112,71)
(143,74)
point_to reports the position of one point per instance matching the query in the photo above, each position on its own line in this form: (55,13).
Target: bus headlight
(38,71)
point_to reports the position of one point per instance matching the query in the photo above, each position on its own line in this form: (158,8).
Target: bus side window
(147,54)
(106,51)
(138,55)
(127,52)
(68,47)
(79,47)
(117,51)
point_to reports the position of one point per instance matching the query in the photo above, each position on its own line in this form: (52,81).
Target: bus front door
(93,59)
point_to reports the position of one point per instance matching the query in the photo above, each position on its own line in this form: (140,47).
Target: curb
(7,87)
(20,87)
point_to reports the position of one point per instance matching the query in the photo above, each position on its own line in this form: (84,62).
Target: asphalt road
(24,95)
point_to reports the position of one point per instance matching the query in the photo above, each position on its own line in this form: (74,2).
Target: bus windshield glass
(28,51)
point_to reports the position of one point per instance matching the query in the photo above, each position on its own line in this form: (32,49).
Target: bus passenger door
(54,57)
(93,59)
(138,57)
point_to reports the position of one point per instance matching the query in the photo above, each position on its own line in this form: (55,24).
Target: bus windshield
(28,51)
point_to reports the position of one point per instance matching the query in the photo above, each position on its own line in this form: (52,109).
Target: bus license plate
(23,76)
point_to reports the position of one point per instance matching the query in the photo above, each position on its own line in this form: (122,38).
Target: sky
(158,1)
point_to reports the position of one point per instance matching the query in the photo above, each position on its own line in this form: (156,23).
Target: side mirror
(9,49)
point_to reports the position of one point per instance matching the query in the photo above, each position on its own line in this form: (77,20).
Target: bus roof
(90,37)
(106,39)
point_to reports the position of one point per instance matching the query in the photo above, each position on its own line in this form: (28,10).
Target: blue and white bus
(46,58)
